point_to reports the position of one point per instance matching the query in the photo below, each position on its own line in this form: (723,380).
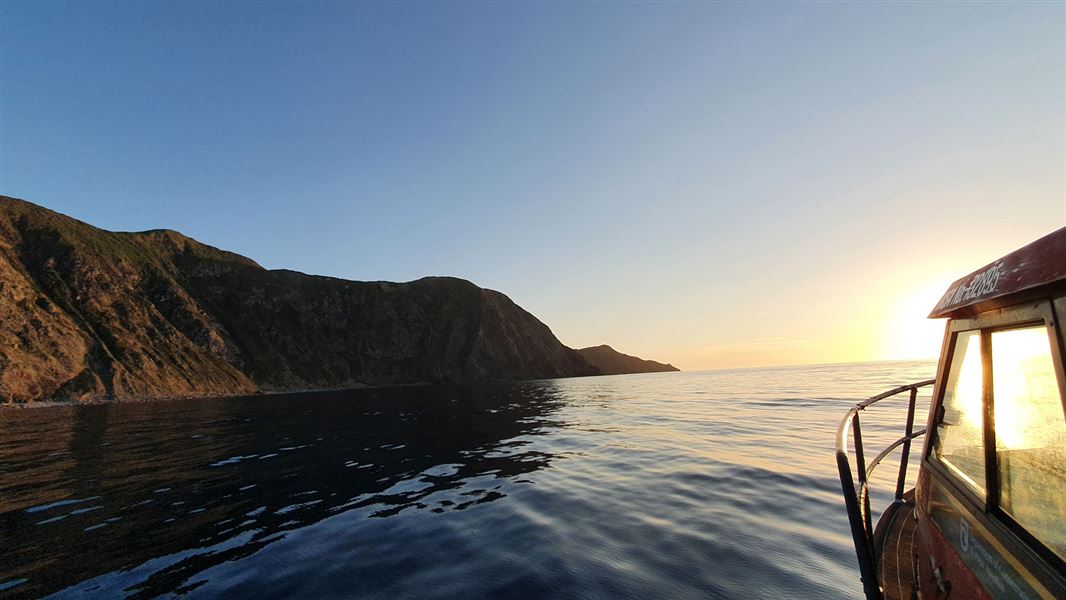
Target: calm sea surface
(679,485)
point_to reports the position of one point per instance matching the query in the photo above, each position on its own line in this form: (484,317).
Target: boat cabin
(986,517)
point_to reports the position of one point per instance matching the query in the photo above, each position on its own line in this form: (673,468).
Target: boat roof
(1031,271)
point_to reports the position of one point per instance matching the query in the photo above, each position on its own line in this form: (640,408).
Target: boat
(986,516)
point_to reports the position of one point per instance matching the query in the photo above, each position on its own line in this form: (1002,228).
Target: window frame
(987,510)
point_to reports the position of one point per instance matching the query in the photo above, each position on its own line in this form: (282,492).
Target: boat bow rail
(856,485)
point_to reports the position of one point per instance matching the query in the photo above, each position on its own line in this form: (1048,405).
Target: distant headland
(89,314)
(612,362)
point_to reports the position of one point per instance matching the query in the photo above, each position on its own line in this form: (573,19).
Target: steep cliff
(87,313)
(612,362)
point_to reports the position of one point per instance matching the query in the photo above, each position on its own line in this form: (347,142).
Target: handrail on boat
(857,498)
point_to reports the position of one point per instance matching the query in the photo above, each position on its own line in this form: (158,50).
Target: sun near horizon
(709,185)
(890,322)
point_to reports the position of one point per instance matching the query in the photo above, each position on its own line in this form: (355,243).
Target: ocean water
(718,484)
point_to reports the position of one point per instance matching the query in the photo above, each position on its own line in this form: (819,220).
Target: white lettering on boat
(981,284)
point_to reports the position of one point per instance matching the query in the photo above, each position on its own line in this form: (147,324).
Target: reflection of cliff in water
(193,484)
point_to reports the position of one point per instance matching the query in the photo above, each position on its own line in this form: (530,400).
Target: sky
(713,185)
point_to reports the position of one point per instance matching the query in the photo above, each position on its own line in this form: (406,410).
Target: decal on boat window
(978,550)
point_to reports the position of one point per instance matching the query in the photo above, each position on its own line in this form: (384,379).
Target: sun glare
(908,332)
(968,388)
(1027,407)
(1028,413)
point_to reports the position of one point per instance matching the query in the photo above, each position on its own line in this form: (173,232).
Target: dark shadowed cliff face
(612,362)
(89,313)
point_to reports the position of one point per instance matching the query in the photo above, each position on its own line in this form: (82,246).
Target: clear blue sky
(710,184)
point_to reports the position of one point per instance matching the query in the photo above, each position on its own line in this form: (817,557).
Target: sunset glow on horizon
(713,185)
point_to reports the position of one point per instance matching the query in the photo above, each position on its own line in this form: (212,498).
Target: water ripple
(716,484)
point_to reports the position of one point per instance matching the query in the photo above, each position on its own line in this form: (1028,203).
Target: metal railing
(857,497)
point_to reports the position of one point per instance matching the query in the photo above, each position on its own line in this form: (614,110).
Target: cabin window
(960,433)
(1030,433)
